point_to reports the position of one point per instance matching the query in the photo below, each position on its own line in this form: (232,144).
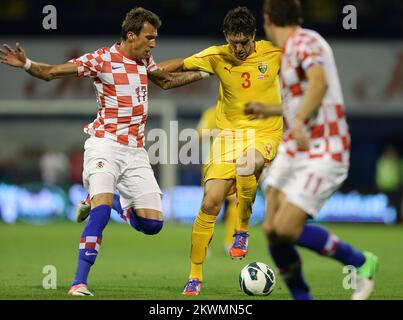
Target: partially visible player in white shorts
(306,183)
(313,158)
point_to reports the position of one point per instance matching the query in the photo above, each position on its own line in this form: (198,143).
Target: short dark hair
(135,19)
(284,13)
(240,20)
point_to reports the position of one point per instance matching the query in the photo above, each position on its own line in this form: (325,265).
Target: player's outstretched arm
(174,65)
(17,58)
(168,80)
(262,110)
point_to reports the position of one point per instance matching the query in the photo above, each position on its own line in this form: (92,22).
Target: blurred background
(41,123)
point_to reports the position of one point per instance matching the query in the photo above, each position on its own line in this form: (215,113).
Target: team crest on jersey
(100,164)
(268,148)
(262,67)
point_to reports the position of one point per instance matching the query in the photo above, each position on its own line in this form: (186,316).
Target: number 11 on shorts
(312,184)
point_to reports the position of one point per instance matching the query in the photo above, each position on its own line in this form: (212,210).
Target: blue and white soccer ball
(257,279)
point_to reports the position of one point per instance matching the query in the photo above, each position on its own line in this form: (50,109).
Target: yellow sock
(202,233)
(246,192)
(231,220)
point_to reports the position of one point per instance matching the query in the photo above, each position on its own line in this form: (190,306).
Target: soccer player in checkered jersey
(114,153)
(313,158)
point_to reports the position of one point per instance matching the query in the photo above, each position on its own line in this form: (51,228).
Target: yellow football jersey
(242,81)
(207,120)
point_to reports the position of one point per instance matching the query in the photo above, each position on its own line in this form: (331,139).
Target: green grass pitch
(131,265)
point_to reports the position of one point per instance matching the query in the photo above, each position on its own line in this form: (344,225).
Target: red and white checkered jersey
(121,87)
(328,130)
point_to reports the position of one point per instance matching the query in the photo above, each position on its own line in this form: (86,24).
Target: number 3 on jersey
(246,76)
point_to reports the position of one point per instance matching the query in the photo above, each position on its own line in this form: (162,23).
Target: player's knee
(249,163)
(267,230)
(149,226)
(278,238)
(244,167)
(102,199)
(259,164)
(272,237)
(211,205)
(281,234)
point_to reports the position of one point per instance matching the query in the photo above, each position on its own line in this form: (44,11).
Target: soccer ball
(257,279)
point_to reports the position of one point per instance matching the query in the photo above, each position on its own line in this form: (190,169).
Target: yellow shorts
(227,148)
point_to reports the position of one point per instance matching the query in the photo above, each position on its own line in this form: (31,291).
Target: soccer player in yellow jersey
(206,128)
(248,71)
